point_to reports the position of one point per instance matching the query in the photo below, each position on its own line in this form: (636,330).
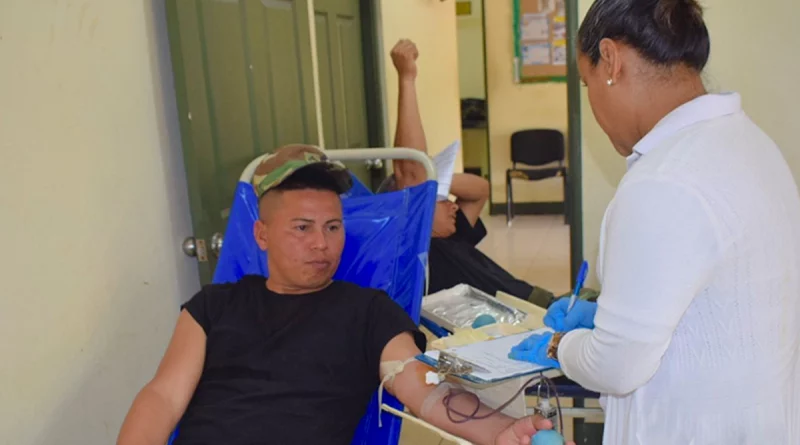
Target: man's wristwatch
(552,347)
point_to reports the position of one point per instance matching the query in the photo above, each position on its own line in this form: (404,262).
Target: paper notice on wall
(547,6)
(536,54)
(561,8)
(560,52)
(535,27)
(559,29)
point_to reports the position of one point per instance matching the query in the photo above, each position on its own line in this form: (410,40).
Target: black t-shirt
(288,369)
(456,260)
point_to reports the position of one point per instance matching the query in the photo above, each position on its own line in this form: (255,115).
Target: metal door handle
(374,164)
(216,243)
(189,247)
(195,248)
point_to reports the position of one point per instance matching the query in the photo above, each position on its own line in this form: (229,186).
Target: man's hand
(521,431)
(404,56)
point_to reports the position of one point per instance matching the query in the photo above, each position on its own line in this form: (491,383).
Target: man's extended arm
(160,404)
(471,192)
(409,133)
(409,386)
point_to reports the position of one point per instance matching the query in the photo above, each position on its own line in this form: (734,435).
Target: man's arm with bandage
(426,401)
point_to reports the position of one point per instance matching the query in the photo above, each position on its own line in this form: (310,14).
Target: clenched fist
(404,56)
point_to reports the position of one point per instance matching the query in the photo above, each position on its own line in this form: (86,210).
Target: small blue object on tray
(483,320)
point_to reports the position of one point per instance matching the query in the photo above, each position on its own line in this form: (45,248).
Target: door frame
(372,47)
(374,81)
(201,227)
(574,135)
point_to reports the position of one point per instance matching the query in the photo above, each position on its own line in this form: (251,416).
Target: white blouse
(697,332)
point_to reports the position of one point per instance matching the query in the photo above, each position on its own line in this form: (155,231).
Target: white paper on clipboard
(492,357)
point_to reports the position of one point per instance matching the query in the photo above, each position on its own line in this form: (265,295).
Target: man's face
(444,219)
(303,234)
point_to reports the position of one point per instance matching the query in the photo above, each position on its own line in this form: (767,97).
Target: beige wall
(471,58)
(432,26)
(769,90)
(763,66)
(514,107)
(94,208)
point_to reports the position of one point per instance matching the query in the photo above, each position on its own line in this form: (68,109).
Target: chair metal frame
(360,154)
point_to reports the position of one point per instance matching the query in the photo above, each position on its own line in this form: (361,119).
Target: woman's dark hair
(665,32)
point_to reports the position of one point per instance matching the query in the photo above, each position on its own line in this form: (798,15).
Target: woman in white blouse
(695,336)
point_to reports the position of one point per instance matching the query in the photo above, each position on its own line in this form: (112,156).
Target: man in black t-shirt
(295,359)
(455,259)
(457,229)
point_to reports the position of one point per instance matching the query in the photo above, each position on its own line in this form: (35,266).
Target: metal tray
(459,306)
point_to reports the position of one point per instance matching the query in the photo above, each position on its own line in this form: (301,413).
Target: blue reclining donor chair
(386,247)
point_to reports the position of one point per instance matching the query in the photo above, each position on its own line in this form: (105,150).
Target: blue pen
(578,284)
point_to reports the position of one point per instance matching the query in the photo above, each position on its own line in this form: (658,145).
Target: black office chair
(536,148)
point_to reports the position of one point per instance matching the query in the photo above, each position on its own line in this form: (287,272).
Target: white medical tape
(434,397)
(389,370)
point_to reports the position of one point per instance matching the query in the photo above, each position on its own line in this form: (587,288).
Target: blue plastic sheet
(386,247)
(358,189)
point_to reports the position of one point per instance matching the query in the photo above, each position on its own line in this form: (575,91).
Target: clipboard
(490,360)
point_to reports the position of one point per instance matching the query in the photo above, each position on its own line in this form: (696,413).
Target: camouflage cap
(287,160)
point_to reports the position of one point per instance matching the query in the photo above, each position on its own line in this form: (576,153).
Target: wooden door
(244,81)
(343,90)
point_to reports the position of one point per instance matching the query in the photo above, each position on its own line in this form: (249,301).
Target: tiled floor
(534,249)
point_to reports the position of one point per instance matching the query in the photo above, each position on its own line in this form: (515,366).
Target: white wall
(93,208)
(753,51)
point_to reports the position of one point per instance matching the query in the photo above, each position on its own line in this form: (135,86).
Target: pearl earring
(610,82)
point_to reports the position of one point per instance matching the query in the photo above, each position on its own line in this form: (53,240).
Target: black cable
(463,417)
(552,385)
(453,394)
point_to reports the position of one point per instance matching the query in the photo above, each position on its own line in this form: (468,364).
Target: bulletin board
(540,40)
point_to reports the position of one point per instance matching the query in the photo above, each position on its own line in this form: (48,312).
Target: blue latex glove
(580,317)
(534,349)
